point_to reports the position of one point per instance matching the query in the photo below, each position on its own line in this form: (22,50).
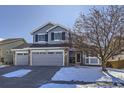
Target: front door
(78,57)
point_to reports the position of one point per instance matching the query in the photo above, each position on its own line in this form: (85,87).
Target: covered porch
(81,58)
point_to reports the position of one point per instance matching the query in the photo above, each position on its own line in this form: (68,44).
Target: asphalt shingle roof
(9,40)
(29,45)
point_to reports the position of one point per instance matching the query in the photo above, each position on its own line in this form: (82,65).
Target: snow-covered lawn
(18,73)
(118,73)
(86,74)
(54,85)
(2,66)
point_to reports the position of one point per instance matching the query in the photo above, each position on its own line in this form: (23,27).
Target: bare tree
(103,31)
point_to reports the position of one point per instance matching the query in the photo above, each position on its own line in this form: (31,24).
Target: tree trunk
(104,66)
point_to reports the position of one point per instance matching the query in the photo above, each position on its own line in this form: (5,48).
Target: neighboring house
(117,57)
(6,45)
(51,47)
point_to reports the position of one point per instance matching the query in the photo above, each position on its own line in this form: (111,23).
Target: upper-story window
(56,36)
(41,37)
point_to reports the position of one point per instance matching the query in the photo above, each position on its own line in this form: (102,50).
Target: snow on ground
(54,85)
(86,74)
(118,73)
(2,66)
(18,73)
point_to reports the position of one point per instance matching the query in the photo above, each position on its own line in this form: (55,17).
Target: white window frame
(61,36)
(43,41)
(89,61)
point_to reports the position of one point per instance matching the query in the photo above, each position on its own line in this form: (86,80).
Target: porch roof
(29,45)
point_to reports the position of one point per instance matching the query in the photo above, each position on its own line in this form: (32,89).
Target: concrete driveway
(39,75)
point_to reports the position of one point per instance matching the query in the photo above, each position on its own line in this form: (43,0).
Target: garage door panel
(22,59)
(47,59)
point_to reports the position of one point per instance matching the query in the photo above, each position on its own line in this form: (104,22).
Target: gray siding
(57,29)
(42,30)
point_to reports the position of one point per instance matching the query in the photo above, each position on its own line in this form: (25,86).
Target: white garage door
(21,59)
(51,58)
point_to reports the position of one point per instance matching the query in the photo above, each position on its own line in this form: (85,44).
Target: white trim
(41,33)
(42,48)
(30,58)
(58,31)
(51,28)
(21,52)
(89,61)
(16,52)
(41,42)
(67,29)
(47,51)
(41,27)
(59,40)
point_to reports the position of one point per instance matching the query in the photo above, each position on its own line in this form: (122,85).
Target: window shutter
(63,35)
(46,37)
(36,38)
(52,36)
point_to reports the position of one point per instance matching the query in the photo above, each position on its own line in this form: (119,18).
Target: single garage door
(21,59)
(47,58)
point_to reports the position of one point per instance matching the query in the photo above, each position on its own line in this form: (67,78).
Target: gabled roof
(58,25)
(10,40)
(42,26)
(54,26)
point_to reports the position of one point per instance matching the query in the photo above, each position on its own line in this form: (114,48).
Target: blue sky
(19,21)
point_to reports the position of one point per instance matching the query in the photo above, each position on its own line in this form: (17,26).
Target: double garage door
(41,58)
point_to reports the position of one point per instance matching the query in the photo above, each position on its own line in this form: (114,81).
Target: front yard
(59,77)
(79,77)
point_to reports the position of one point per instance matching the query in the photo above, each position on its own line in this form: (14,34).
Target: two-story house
(51,47)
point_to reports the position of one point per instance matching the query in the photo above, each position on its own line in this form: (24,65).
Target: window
(42,52)
(94,61)
(25,53)
(41,37)
(35,53)
(58,52)
(20,54)
(58,36)
(87,61)
(50,52)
